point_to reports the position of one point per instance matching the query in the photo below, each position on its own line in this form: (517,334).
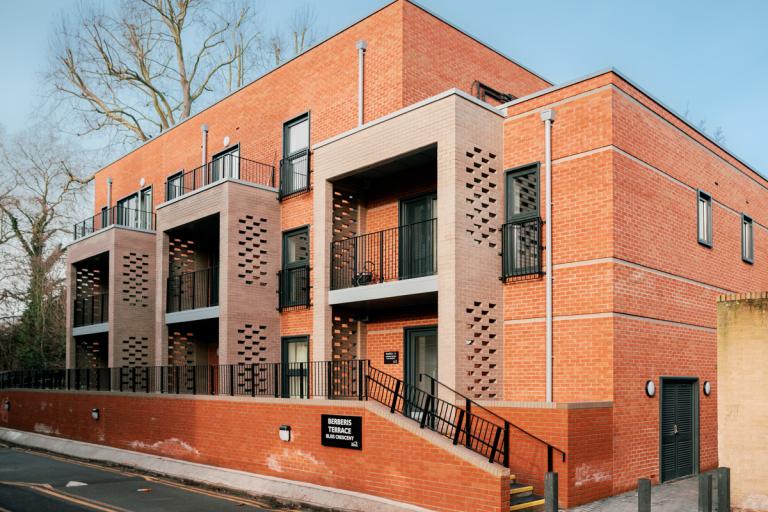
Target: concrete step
(520,490)
(530,503)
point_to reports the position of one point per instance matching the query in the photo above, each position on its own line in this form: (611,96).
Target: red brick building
(400,217)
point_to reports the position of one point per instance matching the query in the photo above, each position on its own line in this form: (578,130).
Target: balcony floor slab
(85,330)
(191,315)
(382,291)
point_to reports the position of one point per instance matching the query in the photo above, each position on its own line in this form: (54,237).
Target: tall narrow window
(747,239)
(294,277)
(294,167)
(704,215)
(174,186)
(225,165)
(135,210)
(521,234)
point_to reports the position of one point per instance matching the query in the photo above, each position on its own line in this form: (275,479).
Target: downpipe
(548,117)
(361,47)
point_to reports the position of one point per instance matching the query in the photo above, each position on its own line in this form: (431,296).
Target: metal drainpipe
(548,116)
(361,47)
(204,129)
(109,192)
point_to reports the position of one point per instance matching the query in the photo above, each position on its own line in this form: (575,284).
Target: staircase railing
(435,385)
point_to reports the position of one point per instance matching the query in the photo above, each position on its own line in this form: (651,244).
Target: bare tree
(37,207)
(301,36)
(139,68)
(717,135)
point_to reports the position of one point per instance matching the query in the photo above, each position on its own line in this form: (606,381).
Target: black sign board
(391,357)
(342,431)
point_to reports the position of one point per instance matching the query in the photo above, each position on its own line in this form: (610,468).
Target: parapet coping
(729,297)
(251,483)
(545,405)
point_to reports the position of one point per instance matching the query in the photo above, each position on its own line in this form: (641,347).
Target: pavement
(678,496)
(32,481)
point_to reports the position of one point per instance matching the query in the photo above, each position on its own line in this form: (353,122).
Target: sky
(707,58)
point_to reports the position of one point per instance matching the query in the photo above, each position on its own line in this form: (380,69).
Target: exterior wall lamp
(650,388)
(285,433)
(707,388)
(7,405)
(95,414)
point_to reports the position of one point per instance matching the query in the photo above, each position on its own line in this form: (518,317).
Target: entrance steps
(521,497)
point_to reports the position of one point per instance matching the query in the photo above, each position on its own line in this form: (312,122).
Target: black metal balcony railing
(294,174)
(192,290)
(329,379)
(91,309)
(521,249)
(293,287)
(404,252)
(115,216)
(222,167)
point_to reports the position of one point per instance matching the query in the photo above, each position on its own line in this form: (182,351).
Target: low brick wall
(397,461)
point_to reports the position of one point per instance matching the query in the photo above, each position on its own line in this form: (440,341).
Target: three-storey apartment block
(549,253)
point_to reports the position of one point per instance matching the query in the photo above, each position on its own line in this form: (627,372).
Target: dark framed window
(747,239)
(135,210)
(294,166)
(521,233)
(225,164)
(704,217)
(294,276)
(174,186)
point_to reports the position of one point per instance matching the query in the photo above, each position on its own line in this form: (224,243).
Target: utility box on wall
(742,393)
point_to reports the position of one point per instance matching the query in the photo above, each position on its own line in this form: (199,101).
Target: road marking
(47,489)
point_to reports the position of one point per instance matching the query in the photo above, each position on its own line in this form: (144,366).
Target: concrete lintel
(190,315)
(415,286)
(85,330)
(318,495)
(544,405)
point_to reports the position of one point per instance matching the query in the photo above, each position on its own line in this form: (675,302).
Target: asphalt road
(39,482)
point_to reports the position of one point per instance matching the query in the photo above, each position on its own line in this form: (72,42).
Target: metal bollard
(550,492)
(705,492)
(644,495)
(724,489)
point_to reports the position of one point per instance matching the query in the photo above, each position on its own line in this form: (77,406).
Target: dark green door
(417,248)
(678,428)
(420,359)
(295,362)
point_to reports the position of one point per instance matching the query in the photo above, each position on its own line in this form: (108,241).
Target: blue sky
(707,57)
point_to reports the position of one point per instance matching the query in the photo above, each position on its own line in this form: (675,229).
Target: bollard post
(724,489)
(550,492)
(705,492)
(644,495)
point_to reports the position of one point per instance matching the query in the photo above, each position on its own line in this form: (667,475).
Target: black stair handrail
(507,424)
(459,424)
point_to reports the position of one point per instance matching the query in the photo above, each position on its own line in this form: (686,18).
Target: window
(225,164)
(704,214)
(747,239)
(521,234)
(174,186)
(135,211)
(294,167)
(294,276)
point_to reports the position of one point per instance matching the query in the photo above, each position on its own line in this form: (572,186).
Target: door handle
(674,430)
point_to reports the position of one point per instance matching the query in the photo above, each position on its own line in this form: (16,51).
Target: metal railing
(221,167)
(521,249)
(404,252)
(293,287)
(91,309)
(294,174)
(115,216)
(192,290)
(326,379)
(471,407)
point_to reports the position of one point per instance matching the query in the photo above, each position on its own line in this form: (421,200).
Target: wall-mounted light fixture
(95,414)
(650,388)
(469,341)
(707,388)
(7,405)
(285,432)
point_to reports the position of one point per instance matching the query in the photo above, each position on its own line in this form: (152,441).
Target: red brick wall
(386,332)
(393,463)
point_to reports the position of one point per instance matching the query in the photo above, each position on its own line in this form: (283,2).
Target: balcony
(193,290)
(385,264)
(115,216)
(223,167)
(91,310)
(293,289)
(521,249)
(294,174)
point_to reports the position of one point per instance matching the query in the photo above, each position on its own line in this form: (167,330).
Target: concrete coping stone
(730,297)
